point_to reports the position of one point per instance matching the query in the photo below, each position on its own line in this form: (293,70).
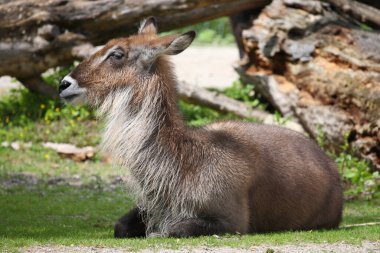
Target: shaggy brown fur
(226,177)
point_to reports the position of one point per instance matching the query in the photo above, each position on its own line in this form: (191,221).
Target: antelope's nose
(64,85)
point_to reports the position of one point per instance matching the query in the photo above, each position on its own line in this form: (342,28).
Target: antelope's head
(121,62)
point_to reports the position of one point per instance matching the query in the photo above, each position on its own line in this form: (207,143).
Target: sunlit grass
(61,215)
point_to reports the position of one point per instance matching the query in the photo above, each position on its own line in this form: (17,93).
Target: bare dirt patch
(207,66)
(291,248)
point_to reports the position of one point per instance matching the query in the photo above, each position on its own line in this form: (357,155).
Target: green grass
(59,215)
(45,163)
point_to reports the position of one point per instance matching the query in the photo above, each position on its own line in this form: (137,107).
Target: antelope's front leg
(130,225)
(197,227)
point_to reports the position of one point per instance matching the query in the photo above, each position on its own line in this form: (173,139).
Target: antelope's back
(294,184)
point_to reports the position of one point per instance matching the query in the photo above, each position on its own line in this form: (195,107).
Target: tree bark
(37,85)
(37,35)
(311,63)
(219,102)
(361,11)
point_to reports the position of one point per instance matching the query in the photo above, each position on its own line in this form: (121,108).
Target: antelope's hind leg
(197,227)
(130,225)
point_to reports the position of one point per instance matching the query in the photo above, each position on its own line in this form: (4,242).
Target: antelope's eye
(116,55)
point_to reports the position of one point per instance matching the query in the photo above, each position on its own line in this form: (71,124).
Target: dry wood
(361,225)
(361,11)
(310,63)
(219,102)
(71,151)
(37,35)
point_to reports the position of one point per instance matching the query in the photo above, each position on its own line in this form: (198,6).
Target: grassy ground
(62,215)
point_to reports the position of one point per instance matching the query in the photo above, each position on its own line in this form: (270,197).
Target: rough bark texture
(311,63)
(219,102)
(36,35)
(361,11)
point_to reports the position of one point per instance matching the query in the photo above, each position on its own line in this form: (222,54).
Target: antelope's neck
(144,136)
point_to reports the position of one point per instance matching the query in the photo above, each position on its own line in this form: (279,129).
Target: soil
(208,66)
(288,248)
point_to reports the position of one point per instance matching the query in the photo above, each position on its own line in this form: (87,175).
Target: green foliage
(21,107)
(279,119)
(244,93)
(26,116)
(196,115)
(321,138)
(216,32)
(55,76)
(362,182)
(359,181)
(357,174)
(365,27)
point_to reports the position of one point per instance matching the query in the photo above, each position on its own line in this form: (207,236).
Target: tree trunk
(361,11)
(37,35)
(219,102)
(317,66)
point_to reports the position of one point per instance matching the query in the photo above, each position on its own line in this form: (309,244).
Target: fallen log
(311,63)
(198,95)
(361,11)
(37,35)
(71,151)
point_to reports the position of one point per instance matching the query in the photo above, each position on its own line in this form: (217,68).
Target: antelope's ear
(179,43)
(148,26)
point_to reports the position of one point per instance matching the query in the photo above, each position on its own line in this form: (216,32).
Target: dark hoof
(180,230)
(120,231)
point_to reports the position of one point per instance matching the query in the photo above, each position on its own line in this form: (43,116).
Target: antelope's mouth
(70,91)
(73,98)
(69,98)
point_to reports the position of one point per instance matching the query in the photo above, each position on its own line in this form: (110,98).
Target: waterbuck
(225,177)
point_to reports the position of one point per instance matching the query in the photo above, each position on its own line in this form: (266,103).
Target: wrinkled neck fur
(142,115)
(144,136)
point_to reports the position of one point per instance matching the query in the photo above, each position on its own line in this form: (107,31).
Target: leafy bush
(26,116)
(196,115)
(356,174)
(216,32)
(245,93)
(358,180)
